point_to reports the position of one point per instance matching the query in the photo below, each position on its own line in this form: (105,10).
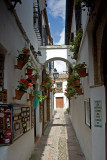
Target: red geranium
(26,50)
(31,77)
(23,80)
(30,84)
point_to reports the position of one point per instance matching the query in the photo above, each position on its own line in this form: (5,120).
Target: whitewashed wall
(61,52)
(12,40)
(92,140)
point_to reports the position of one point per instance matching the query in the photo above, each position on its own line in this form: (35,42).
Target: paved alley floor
(59,141)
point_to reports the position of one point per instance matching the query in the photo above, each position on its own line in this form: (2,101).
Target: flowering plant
(43,84)
(25,50)
(36,76)
(72,78)
(22,86)
(49,81)
(23,55)
(70,91)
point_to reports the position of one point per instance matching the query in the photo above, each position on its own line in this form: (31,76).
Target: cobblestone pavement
(59,141)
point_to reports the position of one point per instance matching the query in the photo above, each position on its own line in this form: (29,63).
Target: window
(59,87)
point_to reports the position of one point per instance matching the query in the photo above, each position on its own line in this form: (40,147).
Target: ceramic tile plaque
(98,113)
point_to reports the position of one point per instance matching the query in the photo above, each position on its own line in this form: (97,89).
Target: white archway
(52,53)
(58,58)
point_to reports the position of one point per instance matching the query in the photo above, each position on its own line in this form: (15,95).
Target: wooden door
(59,102)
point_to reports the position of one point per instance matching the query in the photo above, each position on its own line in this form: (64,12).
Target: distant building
(60,100)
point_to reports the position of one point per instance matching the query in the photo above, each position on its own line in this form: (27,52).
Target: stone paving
(59,141)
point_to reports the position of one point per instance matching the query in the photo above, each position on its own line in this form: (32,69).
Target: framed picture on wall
(87,109)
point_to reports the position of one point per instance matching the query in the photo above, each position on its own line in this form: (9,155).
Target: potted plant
(77,80)
(70,91)
(29,69)
(43,85)
(74,80)
(34,77)
(81,69)
(22,58)
(79,91)
(49,81)
(21,89)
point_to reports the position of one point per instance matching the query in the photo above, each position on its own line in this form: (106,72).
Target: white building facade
(23,123)
(60,100)
(88,111)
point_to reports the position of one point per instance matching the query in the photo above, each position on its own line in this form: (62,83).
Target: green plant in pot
(21,89)
(81,69)
(22,86)
(22,58)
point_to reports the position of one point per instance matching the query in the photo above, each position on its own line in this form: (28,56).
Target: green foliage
(22,87)
(79,66)
(32,157)
(70,91)
(40,97)
(76,42)
(29,66)
(72,78)
(23,55)
(36,75)
(48,82)
(67,110)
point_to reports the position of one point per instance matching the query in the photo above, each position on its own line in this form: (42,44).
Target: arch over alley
(52,53)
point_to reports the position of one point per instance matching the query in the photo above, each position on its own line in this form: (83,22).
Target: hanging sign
(98,113)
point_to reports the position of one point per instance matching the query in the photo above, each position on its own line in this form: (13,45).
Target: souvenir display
(14,122)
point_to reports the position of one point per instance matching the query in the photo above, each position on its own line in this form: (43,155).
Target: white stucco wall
(12,40)
(98,133)
(92,140)
(51,53)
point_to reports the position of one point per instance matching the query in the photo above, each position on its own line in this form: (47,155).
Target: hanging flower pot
(19,94)
(21,62)
(77,82)
(82,72)
(73,84)
(29,71)
(79,91)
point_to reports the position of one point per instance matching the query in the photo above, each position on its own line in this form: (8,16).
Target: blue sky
(56,18)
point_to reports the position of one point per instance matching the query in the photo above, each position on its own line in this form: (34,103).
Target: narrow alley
(59,141)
